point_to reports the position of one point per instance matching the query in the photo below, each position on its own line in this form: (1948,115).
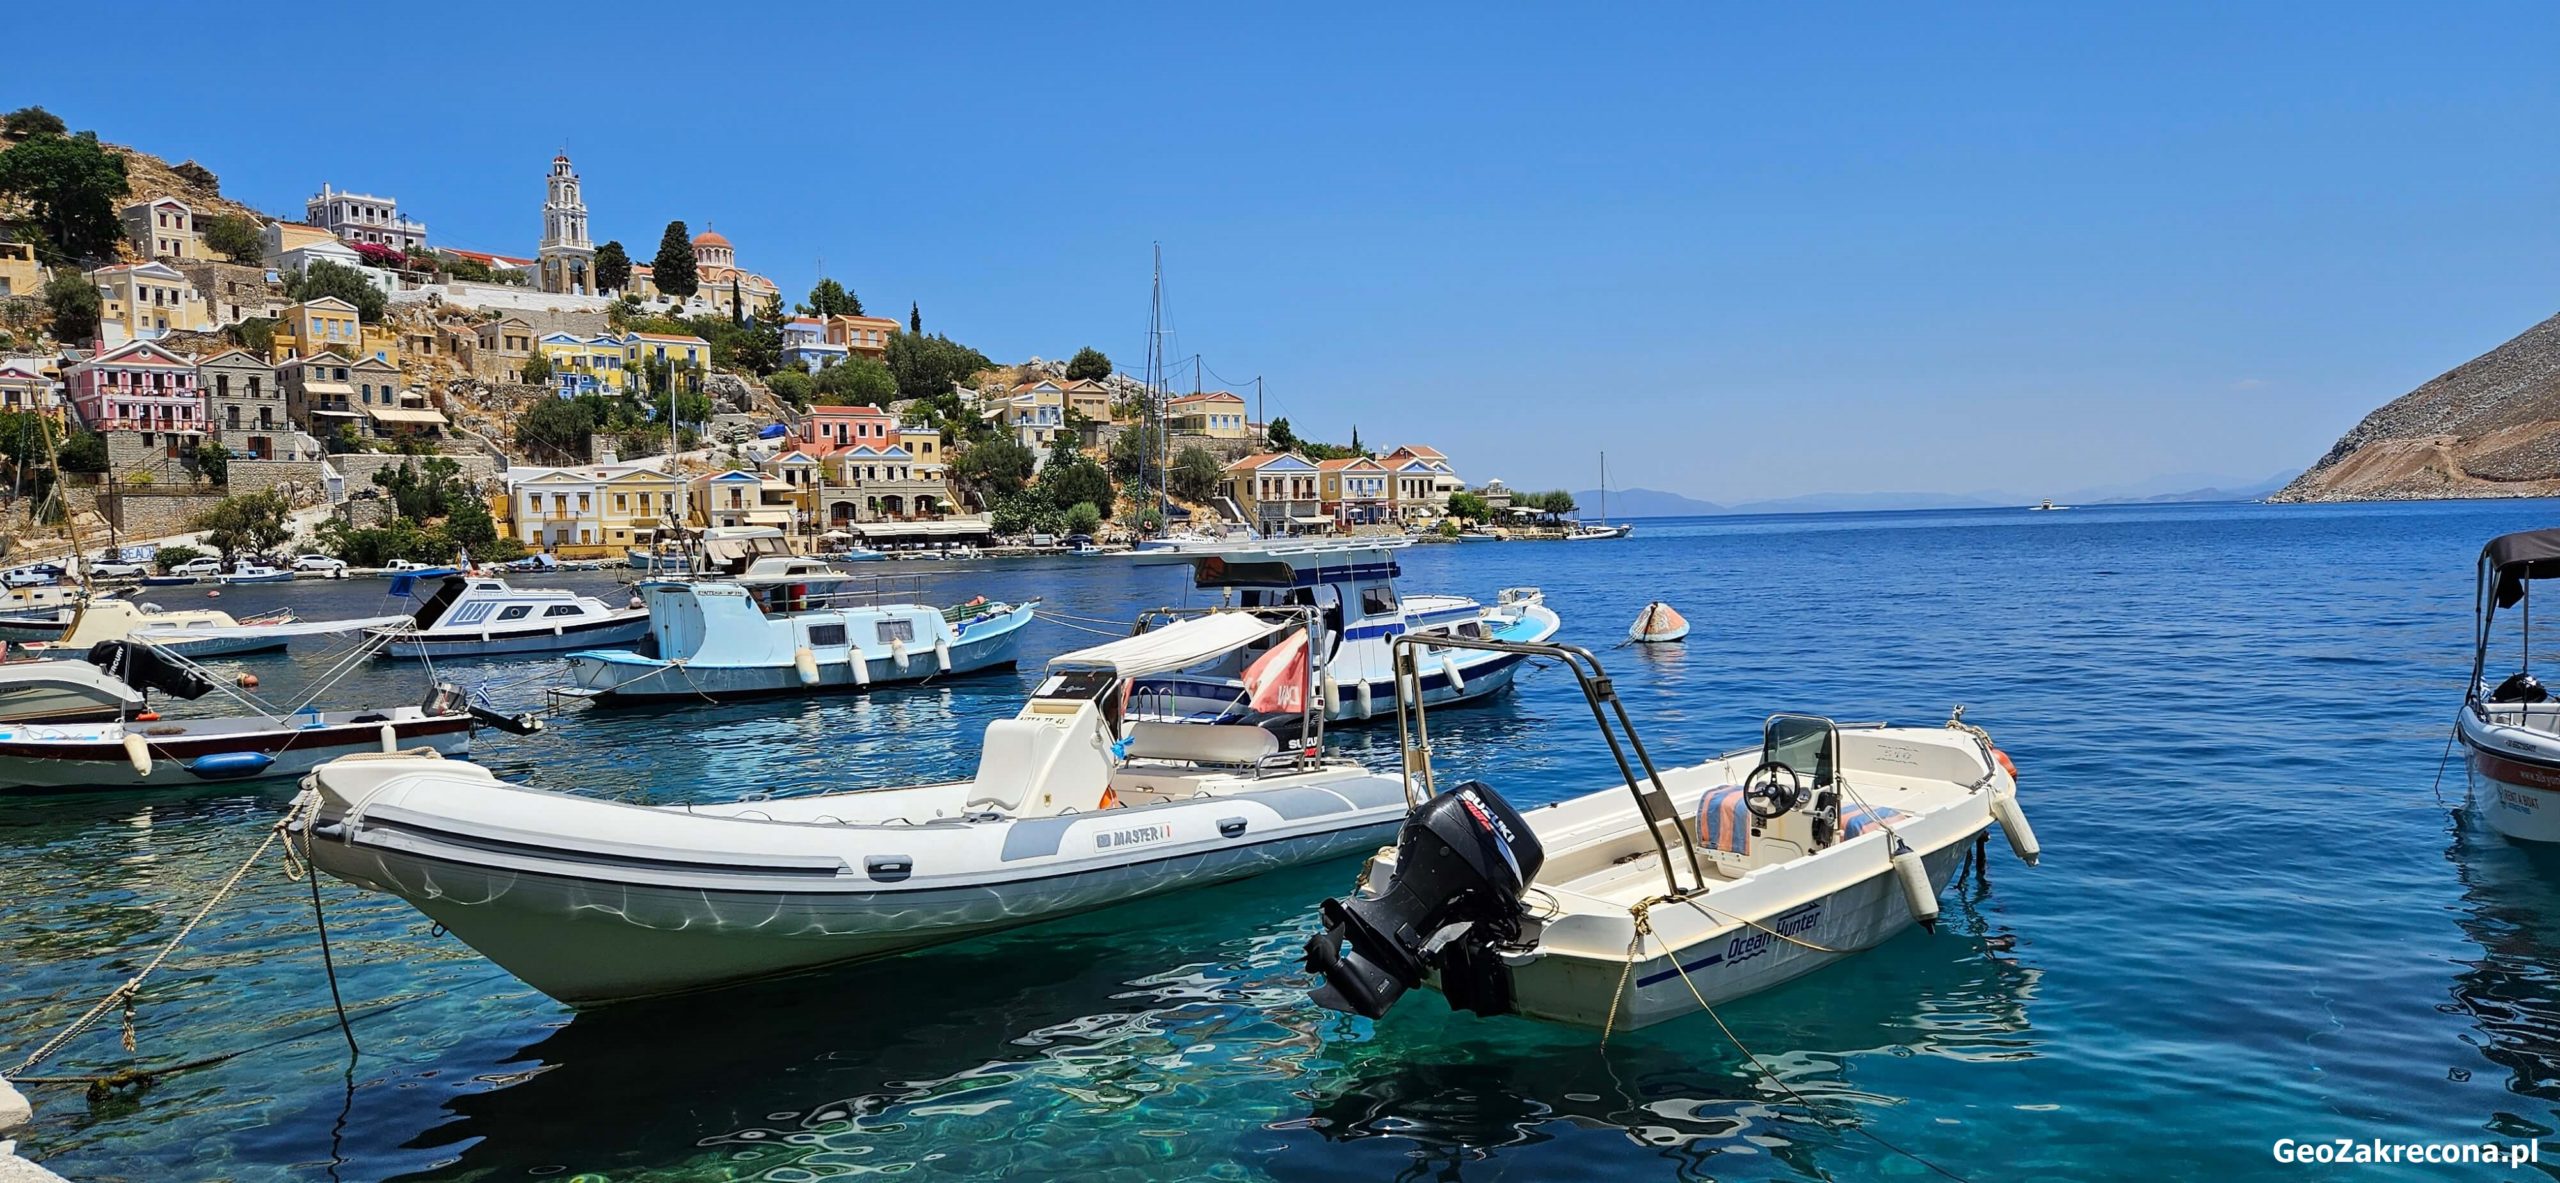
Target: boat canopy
(169,633)
(2513,559)
(1176,646)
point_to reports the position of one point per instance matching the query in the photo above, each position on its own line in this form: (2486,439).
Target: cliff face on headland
(2488,428)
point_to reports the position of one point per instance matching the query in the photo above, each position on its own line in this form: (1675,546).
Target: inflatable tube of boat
(230,765)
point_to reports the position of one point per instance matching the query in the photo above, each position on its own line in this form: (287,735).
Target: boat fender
(853,656)
(1449,666)
(805,660)
(2013,823)
(1914,875)
(137,750)
(941,655)
(230,765)
(1368,700)
(898,653)
(390,738)
(1332,692)
(147,717)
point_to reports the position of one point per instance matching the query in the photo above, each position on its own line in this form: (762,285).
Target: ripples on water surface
(2253,921)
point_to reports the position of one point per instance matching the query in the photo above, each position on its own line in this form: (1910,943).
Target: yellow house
(20,274)
(924,447)
(582,365)
(145,302)
(680,353)
(314,325)
(637,502)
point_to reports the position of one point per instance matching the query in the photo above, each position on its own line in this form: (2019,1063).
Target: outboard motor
(147,669)
(1462,861)
(449,699)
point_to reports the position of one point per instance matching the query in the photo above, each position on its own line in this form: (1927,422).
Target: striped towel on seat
(1857,819)
(1724,821)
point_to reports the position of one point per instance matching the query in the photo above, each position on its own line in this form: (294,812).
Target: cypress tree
(673,269)
(915,319)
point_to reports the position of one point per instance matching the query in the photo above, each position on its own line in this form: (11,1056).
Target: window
(518,612)
(897,630)
(826,634)
(562,610)
(1377,601)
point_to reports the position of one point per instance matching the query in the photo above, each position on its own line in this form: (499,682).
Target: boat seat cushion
(1724,820)
(1856,819)
(1201,743)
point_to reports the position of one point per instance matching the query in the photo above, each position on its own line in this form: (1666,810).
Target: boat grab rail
(1653,799)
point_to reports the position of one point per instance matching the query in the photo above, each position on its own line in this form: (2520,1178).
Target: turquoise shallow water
(2254,921)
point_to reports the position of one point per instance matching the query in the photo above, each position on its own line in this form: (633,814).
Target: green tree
(245,522)
(613,267)
(424,489)
(758,348)
(169,557)
(323,278)
(1089,363)
(213,461)
(256,334)
(1282,439)
(557,430)
(995,467)
(1470,507)
(1066,482)
(793,386)
(857,382)
(830,298)
(1138,451)
(69,187)
(536,370)
(926,366)
(915,318)
(235,237)
(75,306)
(1195,474)
(672,271)
(1083,517)
(32,121)
(83,450)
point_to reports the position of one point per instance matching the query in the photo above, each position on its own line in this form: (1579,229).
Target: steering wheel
(1771,790)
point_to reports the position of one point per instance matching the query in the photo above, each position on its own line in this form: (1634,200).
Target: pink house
(835,429)
(138,386)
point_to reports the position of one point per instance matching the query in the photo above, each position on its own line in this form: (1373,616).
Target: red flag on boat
(1277,681)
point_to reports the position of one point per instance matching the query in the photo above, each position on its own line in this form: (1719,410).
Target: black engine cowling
(1462,861)
(147,669)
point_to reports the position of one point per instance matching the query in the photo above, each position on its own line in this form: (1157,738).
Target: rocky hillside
(2488,428)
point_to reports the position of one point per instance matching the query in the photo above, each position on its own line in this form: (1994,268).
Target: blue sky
(1751,251)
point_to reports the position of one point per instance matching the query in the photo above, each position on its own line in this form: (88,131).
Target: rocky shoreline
(2487,428)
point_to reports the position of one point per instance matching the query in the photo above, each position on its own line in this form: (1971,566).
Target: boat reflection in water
(2512,992)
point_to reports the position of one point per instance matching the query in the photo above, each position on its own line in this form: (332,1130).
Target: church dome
(710,238)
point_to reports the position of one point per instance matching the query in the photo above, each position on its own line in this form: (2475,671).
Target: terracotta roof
(1259,459)
(1338,464)
(1208,396)
(710,238)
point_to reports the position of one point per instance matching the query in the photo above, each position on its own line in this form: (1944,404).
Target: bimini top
(2515,558)
(1294,563)
(1176,646)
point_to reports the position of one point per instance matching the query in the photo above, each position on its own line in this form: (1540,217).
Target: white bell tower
(567,257)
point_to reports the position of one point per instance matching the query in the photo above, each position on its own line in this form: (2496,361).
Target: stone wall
(358,467)
(301,478)
(153,513)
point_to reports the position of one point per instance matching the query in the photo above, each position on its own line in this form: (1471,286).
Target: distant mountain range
(1656,503)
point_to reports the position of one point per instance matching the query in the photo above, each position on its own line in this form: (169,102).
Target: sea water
(2258,917)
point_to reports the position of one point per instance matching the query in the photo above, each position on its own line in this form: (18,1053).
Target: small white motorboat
(188,632)
(44,613)
(2510,732)
(480,616)
(1675,890)
(58,691)
(247,571)
(793,626)
(592,901)
(138,753)
(1350,582)
(1658,624)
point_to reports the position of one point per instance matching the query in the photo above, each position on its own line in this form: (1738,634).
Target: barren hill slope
(2488,428)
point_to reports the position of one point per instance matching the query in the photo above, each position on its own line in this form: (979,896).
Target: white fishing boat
(62,690)
(2510,732)
(191,636)
(591,901)
(45,613)
(188,632)
(481,616)
(248,571)
(1350,583)
(1658,624)
(793,626)
(1676,889)
(668,556)
(138,753)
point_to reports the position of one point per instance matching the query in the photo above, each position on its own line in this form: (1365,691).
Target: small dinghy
(1658,624)
(135,753)
(593,901)
(2510,732)
(1671,892)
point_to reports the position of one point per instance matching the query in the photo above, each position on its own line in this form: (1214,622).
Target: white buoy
(805,661)
(390,738)
(2013,822)
(138,750)
(1449,666)
(898,652)
(1914,874)
(853,656)
(941,655)
(1368,700)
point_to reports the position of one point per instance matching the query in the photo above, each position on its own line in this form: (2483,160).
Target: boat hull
(30,760)
(1859,916)
(622,630)
(629,677)
(2514,777)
